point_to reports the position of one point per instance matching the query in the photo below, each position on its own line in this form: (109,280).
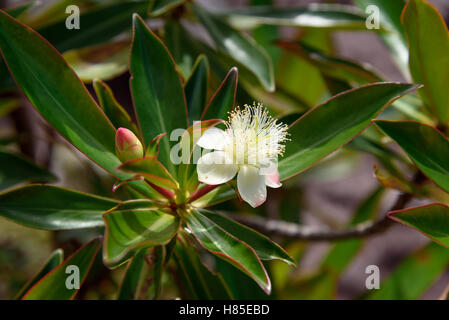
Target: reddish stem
(201,192)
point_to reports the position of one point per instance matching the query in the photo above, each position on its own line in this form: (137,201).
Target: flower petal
(272,180)
(215,168)
(251,185)
(213,138)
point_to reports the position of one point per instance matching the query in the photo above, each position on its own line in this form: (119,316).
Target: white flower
(249,145)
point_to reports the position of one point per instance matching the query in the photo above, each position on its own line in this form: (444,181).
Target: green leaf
(196,88)
(17,11)
(53,285)
(334,67)
(334,123)
(224,245)
(113,110)
(52,262)
(160,7)
(97,25)
(104,61)
(432,220)
(150,168)
(56,92)
(426,146)
(216,196)
(264,247)
(428,39)
(223,100)
(199,282)
(394,38)
(15,169)
(134,225)
(157,91)
(241,48)
(313,16)
(53,208)
(414,275)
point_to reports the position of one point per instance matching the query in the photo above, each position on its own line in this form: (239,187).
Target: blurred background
(326,195)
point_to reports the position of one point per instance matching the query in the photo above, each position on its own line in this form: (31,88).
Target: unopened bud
(127,145)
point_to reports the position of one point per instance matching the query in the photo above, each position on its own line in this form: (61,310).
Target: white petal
(213,138)
(251,185)
(214,168)
(272,181)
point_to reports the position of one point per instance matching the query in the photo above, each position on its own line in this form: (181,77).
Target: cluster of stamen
(254,135)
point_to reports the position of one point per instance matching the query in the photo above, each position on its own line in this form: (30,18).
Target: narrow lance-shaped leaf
(428,40)
(394,37)
(264,247)
(58,284)
(196,88)
(15,169)
(56,92)
(53,261)
(223,100)
(53,208)
(224,245)
(432,220)
(334,123)
(134,225)
(97,25)
(59,96)
(426,146)
(242,49)
(314,16)
(115,112)
(134,277)
(157,91)
(199,282)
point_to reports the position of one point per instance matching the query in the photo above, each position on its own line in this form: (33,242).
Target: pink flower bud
(127,145)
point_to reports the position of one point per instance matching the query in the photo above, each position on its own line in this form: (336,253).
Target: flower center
(254,137)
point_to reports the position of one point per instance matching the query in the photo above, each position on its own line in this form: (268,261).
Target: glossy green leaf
(334,123)
(196,88)
(156,86)
(15,169)
(313,16)
(53,286)
(134,278)
(52,262)
(56,92)
(150,168)
(223,100)
(241,48)
(264,247)
(17,11)
(224,245)
(432,220)
(414,275)
(394,38)
(134,225)
(428,39)
(113,110)
(97,25)
(427,147)
(198,280)
(53,208)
